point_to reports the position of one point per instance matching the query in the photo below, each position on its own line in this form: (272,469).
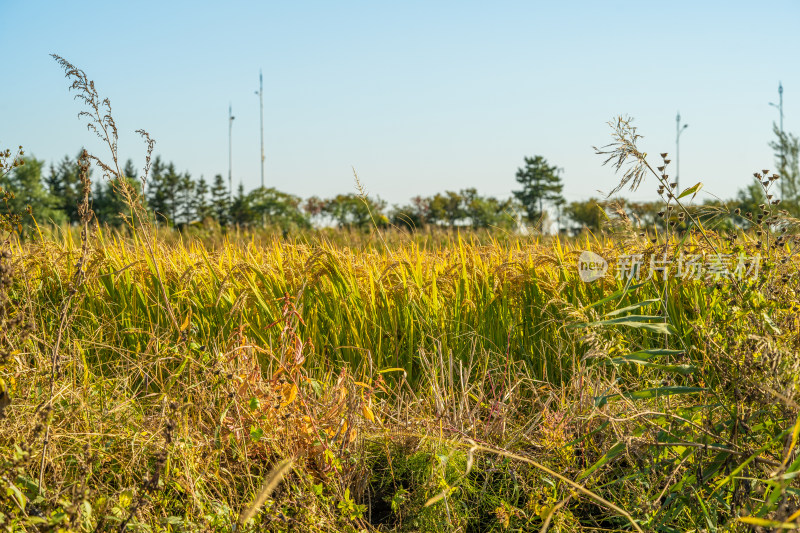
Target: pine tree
(186,197)
(101,201)
(64,185)
(129,170)
(787,157)
(26,184)
(164,189)
(220,200)
(240,208)
(172,186)
(202,209)
(133,181)
(110,205)
(540,183)
(156,190)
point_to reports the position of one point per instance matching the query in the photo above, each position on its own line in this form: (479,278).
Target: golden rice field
(156,383)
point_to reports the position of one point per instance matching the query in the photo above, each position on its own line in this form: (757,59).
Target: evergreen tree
(29,195)
(110,205)
(240,209)
(129,170)
(157,196)
(748,200)
(540,183)
(787,157)
(220,200)
(172,187)
(164,190)
(101,200)
(64,184)
(186,200)
(202,209)
(132,182)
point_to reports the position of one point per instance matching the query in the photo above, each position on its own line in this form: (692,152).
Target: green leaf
(693,190)
(661,391)
(635,321)
(617,294)
(615,450)
(256,434)
(174,520)
(772,326)
(16,495)
(646,355)
(684,370)
(763,522)
(633,307)
(176,374)
(30,485)
(586,436)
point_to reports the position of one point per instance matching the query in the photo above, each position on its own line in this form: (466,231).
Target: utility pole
(679,129)
(260,94)
(780,111)
(230,152)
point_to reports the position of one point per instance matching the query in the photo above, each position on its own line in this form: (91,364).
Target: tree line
(178,200)
(591,214)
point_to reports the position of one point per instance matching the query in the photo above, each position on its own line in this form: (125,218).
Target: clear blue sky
(418,96)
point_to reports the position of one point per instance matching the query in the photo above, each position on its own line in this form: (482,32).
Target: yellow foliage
(289,392)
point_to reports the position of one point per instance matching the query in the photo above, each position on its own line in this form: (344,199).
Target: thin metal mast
(261,102)
(678,129)
(780,111)
(230,151)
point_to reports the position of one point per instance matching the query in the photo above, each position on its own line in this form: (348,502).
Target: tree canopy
(541,185)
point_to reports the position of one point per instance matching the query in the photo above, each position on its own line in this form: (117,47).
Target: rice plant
(151,381)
